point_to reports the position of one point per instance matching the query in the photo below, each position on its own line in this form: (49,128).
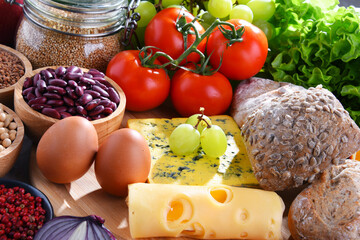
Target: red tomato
(161,32)
(145,88)
(241,60)
(190,91)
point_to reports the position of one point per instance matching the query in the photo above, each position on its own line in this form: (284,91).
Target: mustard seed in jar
(84,33)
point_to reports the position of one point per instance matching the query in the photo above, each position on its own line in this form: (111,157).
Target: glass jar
(85,33)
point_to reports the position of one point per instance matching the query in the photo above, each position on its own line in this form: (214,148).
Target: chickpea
(6,142)
(12,126)
(2,116)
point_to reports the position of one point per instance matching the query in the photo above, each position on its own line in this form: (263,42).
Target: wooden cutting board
(85,197)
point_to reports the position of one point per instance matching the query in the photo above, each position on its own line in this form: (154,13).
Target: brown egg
(123,158)
(67,149)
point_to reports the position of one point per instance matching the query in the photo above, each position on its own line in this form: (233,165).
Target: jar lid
(80,18)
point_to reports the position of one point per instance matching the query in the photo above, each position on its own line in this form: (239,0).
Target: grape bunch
(196,132)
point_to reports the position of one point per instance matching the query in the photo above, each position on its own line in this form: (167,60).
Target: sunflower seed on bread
(329,208)
(292,133)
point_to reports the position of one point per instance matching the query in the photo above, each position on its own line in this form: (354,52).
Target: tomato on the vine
(240,60)
(145,88)
(190,91)
(162,33)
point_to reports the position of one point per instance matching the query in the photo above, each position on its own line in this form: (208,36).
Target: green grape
(242,12)
(265,26)
(220,8)
(242,1)
(233,1)
(207,19)
(185,139)
(193,120)
(213,141)
(147,11)
(167,3)
(262,9)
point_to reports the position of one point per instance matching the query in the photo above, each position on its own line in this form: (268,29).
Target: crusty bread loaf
(291,133)
(329,208)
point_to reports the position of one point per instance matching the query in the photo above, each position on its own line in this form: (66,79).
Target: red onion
(75,228)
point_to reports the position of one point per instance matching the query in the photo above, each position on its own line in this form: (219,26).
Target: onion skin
(62,228)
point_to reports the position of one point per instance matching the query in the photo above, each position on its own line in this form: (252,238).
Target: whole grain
(11,69)
(44,47)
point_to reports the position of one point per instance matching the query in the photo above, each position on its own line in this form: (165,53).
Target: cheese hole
(221,195)
(179,211)
(176,211)
(194,230)
(243,216)
(243,235)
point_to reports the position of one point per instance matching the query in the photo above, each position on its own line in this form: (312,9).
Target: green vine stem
(233,35)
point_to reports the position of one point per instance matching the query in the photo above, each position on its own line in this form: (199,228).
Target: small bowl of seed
(11,138)
(52,93)
(13,65)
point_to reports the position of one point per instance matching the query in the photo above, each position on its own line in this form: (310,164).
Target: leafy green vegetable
(317,42)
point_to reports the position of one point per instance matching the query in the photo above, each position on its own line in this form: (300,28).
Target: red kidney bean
(74,69)
(87,80)
(103,81)
(84,99)
(39,106)
(87,75)
(100,90)
(65,114)
(30,96)
(108,110)
(41,85)
(113,95)
(81,110)
(46,74)
(55,89)
(71,93)
(79,91)
(61,109)
(96,72)
(36,78)
(49,95)
(72,76)
(28,90)
(68,101)
(94,94)
(28,83)
(60,71)
(72,110)
(38,93)
(92,104)
(72,83)
(55,102)
(103,86)
(97,110)
(51,113)
(37,100)
(105,102)
(58,82)
(112,105)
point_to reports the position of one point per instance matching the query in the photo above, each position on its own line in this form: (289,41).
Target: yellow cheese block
(211,212)
(233,168)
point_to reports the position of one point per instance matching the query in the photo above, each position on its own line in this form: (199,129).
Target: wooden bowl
(10,154)
(37,123)
(7,94)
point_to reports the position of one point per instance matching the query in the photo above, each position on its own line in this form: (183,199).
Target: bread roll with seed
(330,207)
(292,133)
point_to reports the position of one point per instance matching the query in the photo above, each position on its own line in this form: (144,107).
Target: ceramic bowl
(10,154)
(7,94)
(37,123)
(46,205)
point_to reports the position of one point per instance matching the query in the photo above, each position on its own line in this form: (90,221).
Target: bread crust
(291,133)
(329,209)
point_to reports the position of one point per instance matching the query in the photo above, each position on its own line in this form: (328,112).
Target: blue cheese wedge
(233,168)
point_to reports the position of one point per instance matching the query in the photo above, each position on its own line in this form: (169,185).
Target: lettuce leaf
(317,42)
